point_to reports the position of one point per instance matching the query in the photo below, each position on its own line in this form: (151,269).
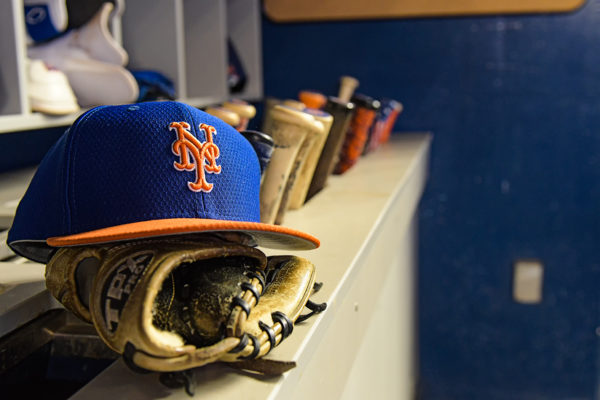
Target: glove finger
(191,357)
(291,280)
(69,277)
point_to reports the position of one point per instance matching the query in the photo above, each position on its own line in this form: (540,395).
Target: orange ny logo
(194,155)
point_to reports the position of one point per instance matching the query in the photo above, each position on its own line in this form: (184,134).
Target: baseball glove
(172,304)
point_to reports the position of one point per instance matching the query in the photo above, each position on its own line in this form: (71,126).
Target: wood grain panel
(315,10)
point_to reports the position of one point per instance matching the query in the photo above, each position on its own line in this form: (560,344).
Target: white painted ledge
(363,345)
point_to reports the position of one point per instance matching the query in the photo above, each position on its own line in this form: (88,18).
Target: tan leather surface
(137,314)
(132,275)
(60,278)
(288,293)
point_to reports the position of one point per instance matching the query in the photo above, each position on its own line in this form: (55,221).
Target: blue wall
(24,149)
(514,103)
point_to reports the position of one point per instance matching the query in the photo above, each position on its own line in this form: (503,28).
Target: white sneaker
(95,38)
(98,83)
(119,9)
(94,68)
(94,82)
(48,90)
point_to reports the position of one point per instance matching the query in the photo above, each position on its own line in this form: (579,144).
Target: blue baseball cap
(145,170)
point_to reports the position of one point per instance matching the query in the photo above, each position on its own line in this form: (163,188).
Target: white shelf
(184,39)
(12,58)
(34,120)
(363,345)
(23,294)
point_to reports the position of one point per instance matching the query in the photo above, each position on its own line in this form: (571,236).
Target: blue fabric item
(263,146)
(153,85)
(39,24)
(385,109)
(115,165)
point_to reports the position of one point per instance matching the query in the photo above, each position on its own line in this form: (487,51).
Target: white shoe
(118,9)
(94,79)
(98,83)
(48,90)
(94,82)
(93,38)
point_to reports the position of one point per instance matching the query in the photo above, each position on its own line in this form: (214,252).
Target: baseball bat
(300,188)
(342,112)
(227,116)
(397,108)
(288,128)
(295,104)
(269,103)
(312,99)
(314,133)
(245,111)
(384,120)
(348,85)
(356,138)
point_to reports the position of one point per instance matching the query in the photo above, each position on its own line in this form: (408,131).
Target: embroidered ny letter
(194,155)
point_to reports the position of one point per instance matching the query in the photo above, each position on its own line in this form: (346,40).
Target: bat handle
(348,85)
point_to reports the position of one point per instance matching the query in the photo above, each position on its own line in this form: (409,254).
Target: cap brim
(265,235)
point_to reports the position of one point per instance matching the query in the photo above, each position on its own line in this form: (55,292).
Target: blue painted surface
(514,103)
(24,149)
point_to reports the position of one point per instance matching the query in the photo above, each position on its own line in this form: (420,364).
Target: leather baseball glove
(171,304)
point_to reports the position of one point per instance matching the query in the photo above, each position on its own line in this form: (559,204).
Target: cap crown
(131,163)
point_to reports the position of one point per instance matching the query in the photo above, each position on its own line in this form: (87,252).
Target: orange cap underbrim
(266,235)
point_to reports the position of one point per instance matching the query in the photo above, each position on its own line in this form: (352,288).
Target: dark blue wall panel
(514,104)
(24,149)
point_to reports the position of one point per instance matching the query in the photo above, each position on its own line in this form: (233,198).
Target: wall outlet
(528,276)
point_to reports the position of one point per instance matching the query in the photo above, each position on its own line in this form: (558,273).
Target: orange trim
(173,226)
